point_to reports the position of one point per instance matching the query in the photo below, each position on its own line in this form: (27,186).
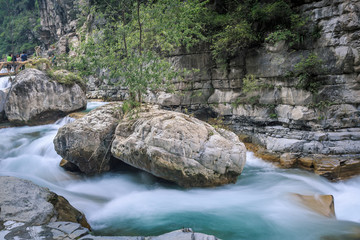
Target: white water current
(131,202)
(4,83)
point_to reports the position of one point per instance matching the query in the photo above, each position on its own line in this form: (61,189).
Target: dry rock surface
(34,98)
(86,142)
(179,148)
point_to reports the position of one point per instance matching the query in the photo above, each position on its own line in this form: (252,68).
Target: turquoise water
(132,202)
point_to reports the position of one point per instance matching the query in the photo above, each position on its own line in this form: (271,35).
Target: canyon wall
(316,130)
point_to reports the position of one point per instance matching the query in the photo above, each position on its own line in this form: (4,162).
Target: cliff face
(58,18)
(283,123)
(295,127)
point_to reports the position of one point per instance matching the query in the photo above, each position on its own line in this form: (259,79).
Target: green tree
(19,22)
(133,45)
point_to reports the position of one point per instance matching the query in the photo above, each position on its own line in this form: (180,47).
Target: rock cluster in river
(169,145)
(34,98)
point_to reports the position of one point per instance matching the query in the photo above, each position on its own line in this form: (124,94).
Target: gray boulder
(67,230)
(3,94)
(23,201)
(35,98)
(179,148)
(86,141)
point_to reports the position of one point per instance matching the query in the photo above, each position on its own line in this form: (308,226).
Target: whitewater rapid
(132,202)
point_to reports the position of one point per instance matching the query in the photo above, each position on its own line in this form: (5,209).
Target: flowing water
(4,82)
(258,206)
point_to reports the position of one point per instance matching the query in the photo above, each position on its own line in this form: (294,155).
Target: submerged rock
(34,98)
(23,201)
(86,141)
(179,148)
(322,204)
(69,166)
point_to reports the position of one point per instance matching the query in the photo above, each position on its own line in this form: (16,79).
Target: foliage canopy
(131,46)
(19,23)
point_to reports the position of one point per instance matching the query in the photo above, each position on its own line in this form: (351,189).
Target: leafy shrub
(251,22)
(279,35)
(306,71)
(250,83)
(66,78)
(39,63)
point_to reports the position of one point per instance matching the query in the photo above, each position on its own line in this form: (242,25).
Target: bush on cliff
(306,71)
(238,25)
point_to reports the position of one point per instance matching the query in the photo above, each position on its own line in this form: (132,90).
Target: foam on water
(258,206)
(4,83)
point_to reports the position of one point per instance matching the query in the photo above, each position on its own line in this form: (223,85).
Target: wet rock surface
(28,211)
(322,204)
(23,201)
(68,231)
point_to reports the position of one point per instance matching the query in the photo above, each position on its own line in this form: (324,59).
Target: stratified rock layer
(34,98)
(179,148)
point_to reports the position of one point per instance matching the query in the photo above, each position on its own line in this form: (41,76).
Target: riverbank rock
(179,148)
(86,141)
(23,201)
(35,98)
(67,230)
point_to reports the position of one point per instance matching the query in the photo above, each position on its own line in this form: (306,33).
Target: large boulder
(35,98)
(23,201)
(86,141)
(179,148)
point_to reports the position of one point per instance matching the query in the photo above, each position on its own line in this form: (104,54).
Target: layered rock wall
(314,130)
(295,127)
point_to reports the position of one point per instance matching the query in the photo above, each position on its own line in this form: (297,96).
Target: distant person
(24,57)
(9,59)
(13,57)
(18,58)
(53,59)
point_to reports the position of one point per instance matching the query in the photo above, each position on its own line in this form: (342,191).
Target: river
(258,206)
